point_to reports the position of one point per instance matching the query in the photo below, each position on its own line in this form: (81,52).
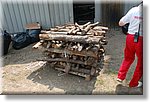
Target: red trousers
(130,51)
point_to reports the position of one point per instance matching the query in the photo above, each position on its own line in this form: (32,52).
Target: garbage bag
(6,42)
(21,40)
(34,34)
(125,28)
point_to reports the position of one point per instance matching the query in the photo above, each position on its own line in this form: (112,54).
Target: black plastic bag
(20,40)
(6,41)
(125,28)
(34,34)
(33,29)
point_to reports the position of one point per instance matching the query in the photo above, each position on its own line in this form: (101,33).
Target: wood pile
(75,49)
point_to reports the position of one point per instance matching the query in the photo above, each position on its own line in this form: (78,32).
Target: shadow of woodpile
(61,82)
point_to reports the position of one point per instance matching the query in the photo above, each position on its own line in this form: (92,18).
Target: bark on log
(82,26)
(68,61)
(84,31)
(81,53)
(75,31)
(70,31)
(71,38)
(85,25)
(100,28)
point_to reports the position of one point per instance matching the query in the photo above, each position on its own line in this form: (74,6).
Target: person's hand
(121,23)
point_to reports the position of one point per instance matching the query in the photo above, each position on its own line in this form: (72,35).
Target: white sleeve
(126,19)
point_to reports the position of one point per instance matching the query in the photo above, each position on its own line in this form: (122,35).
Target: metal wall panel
(49,13)
(130,3)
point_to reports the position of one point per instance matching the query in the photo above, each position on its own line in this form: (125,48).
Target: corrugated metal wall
(130,3)
(49,13)
(0,17)
(17,13)
(109,12)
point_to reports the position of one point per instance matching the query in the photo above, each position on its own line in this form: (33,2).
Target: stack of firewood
(73,48)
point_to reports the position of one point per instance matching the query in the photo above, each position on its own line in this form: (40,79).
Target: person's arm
(125,19)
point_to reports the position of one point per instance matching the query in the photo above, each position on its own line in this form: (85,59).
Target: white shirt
(134,17)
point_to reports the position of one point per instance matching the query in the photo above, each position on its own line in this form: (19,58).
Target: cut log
(70,52)
(71,38)
(85,25)
(36,46)
(84,31)
(75,31)
(70,31)
(100,28)
(67,60)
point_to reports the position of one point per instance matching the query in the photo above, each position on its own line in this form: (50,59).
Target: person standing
(134,45)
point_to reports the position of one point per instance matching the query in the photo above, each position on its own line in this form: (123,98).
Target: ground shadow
(65,84)
(124,90)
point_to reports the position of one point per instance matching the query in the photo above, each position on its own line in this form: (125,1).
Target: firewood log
(71,38)
(86,29)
